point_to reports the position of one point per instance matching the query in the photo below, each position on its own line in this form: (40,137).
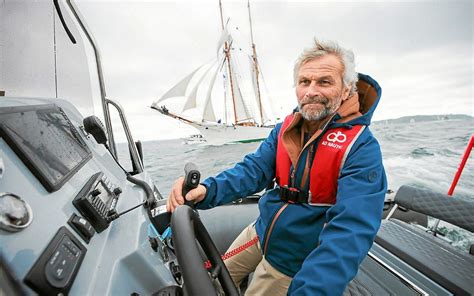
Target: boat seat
(430,255)
(427,253)
(456,211)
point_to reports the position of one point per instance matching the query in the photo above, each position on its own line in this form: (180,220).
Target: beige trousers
(266,279)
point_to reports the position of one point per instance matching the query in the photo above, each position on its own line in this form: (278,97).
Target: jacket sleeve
(251,175)
(352,224)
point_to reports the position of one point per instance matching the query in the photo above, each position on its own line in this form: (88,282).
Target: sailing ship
(234,115)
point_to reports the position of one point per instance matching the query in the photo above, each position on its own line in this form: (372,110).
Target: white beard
(313,115)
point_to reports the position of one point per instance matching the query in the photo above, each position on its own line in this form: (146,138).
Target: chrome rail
(402,278)
(108,122)
(131,144)
(392,211)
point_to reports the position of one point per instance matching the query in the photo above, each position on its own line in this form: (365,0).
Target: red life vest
(331,153)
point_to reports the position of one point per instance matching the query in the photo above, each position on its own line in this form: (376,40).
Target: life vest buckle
(294,195)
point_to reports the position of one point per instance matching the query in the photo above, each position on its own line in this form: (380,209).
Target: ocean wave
(420,152)
(423,155)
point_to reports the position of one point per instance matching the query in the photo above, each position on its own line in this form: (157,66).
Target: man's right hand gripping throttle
(176,199)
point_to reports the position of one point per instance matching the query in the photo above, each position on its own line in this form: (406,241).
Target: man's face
(319,87)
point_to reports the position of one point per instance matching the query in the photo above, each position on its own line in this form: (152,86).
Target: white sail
(179,90)
(225,37)
(208,112)
(268,115)
(255,86)
(191,98)
(242,112)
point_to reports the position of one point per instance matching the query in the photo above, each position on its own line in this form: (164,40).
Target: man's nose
(312,90)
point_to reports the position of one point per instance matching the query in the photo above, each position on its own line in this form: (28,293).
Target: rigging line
(269,98)
(55,56)
(238,34)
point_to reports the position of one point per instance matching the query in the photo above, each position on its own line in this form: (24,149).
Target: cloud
(420,52)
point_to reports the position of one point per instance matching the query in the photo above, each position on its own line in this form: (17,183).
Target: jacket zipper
(293,173)
(292,181)
(280,210)
(309,161)
(270,229)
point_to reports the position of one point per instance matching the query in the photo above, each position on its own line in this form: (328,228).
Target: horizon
(375,121)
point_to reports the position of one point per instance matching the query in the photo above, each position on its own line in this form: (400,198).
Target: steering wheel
(187,228)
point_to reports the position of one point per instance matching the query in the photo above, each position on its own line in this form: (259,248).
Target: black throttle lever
(159,215)
(192,176)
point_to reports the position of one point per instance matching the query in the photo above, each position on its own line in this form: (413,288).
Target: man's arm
(251,175)
(352,224)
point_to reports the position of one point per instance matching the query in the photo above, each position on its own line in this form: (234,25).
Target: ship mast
(255,63)
(227,57)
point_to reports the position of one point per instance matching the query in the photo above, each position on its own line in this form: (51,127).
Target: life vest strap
(294,195)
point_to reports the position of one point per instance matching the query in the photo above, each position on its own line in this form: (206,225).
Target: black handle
(150,201)
(192,177)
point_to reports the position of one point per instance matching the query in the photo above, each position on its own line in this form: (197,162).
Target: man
(317,225)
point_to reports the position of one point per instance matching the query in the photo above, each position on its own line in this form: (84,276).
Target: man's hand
(176,198)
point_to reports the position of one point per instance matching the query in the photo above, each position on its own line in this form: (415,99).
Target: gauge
(15,213)
(1,167)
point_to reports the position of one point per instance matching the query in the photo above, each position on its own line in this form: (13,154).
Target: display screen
(46,141)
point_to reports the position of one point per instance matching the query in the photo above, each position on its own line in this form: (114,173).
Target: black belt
(293,195)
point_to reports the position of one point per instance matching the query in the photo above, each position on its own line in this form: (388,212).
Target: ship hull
(223,134)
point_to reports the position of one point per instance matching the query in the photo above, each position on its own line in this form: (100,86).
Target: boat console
(61,192)
(72,221)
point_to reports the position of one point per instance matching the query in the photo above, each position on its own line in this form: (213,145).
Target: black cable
(150,197)
(61,18)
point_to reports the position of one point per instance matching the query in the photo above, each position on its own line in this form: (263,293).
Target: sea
(422,154)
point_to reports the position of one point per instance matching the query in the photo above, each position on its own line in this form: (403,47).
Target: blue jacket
(321,259)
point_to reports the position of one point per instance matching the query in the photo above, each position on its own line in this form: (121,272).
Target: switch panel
(56,268)
(82,227)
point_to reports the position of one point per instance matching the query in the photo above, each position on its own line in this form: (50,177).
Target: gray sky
(421,53)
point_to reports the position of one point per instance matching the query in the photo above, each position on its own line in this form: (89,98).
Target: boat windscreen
(46,141)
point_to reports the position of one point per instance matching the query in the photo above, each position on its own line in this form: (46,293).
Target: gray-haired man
(317,225)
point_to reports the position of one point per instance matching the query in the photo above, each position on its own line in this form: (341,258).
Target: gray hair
(322,48)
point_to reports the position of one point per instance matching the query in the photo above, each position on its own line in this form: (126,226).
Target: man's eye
(304,81)
(325,82)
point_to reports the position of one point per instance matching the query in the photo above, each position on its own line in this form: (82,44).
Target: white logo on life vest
(335,137)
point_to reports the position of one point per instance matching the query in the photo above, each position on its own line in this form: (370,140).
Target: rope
(234,252)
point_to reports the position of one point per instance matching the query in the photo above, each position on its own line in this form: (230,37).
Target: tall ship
(222,112)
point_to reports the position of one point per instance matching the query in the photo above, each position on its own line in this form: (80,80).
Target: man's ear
(346,93)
